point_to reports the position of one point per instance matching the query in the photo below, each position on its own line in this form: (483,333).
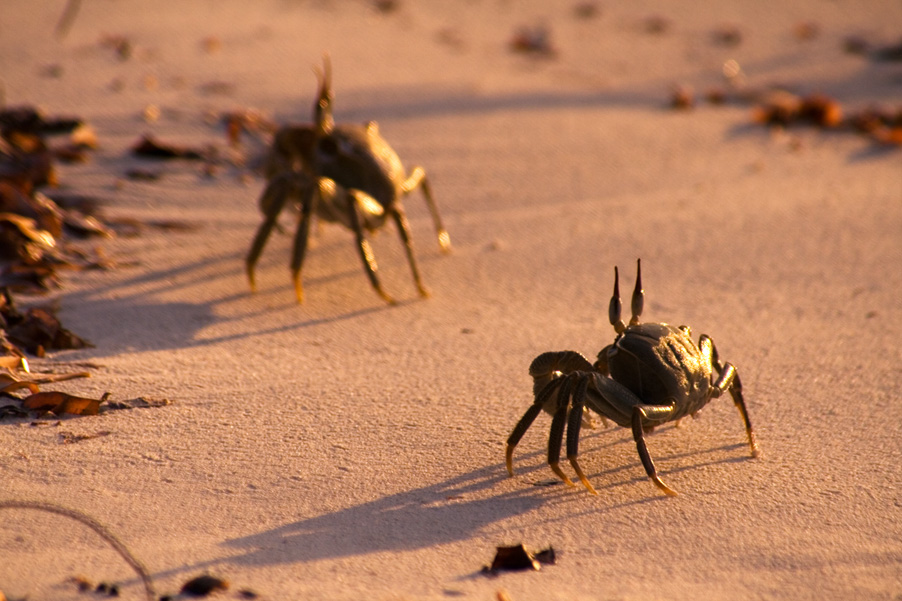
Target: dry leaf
(151,148)
(204,585)
(61,402)
(10,387)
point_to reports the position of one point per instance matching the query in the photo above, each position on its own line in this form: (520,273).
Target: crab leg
(301,236)
(728,379)
(556,436)
(272,201)
(366,251)
(573,426)
(417,178)
(657,413)
(526,421)
(404,231)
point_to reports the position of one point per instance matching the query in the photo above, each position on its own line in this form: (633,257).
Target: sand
(346,449)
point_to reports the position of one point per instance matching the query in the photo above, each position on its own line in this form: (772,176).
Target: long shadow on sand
(450,511)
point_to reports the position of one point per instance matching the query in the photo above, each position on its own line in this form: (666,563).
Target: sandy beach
(347,449)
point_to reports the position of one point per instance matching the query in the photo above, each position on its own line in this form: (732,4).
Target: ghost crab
(346,174)
(651,374)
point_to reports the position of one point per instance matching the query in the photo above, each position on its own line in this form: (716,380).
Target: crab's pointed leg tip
(509,459)
(251,280)
(444,241)
(664,488)
(753,444)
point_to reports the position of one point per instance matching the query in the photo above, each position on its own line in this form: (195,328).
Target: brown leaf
(61,402)
(204,585)
(513,558)
(151,148)
(11,362)
(39,328)
(15,385)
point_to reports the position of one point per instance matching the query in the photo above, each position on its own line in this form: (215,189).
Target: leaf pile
(41,403)
(35,331)
(34,226)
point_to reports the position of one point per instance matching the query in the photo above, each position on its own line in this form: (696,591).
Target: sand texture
(345,449)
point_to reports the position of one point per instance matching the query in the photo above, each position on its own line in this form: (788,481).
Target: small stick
(67,18)
(97,527)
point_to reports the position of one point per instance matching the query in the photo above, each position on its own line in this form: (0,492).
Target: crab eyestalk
(322,110)
(638,300)
(615,307)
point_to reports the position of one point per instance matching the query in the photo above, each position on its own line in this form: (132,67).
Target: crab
(653,373)
(341,173)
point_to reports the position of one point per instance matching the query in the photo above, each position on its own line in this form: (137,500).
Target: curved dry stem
(97,527)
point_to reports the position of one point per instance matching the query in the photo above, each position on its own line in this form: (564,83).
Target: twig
(67,18)
(97,527)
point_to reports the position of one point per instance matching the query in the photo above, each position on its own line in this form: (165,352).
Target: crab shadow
(454,510)
(427,516)
(137,317)
(437,514)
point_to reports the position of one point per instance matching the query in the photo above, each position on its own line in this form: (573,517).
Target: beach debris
(728,35)
(33,226)
(586,10)
(631,384)
(783,108)
(97,527)
(386,6)
(60,403)
(856,44)
(143,175)
(217,88)
(72,438)
(150,147)
(682,97)
(204,585)
(517,558)
(656,24)
(888,52)
(805,31)
(10,384)
(137,403)
(340,173)
(37,330)
(246,121)
(121,46)
(533,40)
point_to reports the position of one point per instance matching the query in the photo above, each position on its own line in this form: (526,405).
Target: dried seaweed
(518,558)
(150,147)
(201,586)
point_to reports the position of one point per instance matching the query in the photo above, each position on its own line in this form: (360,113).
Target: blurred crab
(346,174)
(651,374)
